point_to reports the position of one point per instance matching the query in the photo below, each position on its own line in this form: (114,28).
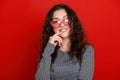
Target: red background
(20,29)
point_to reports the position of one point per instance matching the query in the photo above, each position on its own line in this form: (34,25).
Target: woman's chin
(64,36)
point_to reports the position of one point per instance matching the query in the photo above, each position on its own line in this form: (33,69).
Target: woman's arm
(87,65)
(43,71)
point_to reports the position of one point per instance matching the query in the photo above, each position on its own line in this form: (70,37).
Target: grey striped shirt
(62,70)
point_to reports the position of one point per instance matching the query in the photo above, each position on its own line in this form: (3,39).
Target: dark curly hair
(77,34)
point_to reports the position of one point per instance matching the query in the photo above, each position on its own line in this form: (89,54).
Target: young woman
(65,53)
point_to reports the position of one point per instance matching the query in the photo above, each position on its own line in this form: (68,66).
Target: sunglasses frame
(57,23)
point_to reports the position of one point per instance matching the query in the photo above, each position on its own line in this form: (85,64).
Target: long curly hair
(77,34)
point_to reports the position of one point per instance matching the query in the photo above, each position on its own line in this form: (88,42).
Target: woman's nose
(62,25)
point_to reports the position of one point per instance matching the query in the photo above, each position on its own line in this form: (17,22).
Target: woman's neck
(65,45)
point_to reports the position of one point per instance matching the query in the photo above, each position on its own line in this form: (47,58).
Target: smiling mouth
(63,30)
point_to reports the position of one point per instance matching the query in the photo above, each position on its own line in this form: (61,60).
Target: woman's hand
(56,39)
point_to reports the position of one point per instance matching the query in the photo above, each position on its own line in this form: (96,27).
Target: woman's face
(60,23)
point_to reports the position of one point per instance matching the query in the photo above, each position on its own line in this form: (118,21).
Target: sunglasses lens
(66,22)
(55,24)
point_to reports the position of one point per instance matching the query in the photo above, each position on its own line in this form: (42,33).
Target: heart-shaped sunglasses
(57,23)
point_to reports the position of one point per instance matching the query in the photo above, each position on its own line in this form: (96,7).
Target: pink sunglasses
(57,23)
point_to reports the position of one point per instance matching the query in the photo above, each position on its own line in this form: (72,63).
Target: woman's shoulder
(89,50)
(89,46)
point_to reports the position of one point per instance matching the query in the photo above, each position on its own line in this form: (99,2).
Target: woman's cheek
(56,30)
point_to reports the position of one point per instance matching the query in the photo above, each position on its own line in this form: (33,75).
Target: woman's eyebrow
(65,16)
(55,18)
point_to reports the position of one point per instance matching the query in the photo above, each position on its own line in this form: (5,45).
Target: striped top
(62,70)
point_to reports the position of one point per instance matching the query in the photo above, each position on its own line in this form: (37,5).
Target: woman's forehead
(58,14)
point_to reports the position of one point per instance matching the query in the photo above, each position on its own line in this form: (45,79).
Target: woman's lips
(63,30)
